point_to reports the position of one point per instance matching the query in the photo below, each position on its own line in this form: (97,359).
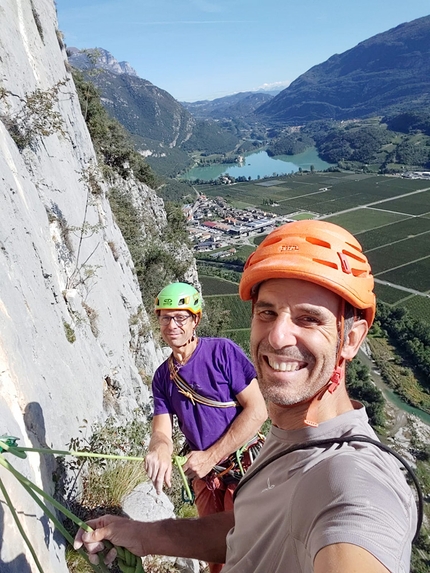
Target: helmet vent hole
(355,247)
(356,256)
(272,240)
(359,273)
(319,242)
(326,263)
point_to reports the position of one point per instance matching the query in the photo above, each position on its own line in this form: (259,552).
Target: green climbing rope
(127,561)
(179,461)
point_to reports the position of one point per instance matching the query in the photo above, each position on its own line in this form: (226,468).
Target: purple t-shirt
(218,369)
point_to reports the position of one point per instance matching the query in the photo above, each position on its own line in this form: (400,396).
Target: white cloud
(274,86)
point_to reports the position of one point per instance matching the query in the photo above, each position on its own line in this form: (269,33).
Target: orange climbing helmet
(314,251)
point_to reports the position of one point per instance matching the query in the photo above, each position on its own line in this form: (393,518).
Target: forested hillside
(399,142)
(386,74)
(162,129)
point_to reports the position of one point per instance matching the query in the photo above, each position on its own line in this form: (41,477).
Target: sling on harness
(346,439)
(234,467)
(185,389)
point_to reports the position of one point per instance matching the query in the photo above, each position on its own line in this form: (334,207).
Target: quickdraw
(235,466)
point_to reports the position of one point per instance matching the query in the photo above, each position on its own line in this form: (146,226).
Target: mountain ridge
(386,73)
(104,59)
(162,128)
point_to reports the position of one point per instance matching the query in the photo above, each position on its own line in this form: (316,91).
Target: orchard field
(390,216)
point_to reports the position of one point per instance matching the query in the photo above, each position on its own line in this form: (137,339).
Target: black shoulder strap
(343,440)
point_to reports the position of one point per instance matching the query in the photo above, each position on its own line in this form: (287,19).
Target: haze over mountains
(237,105)
(389,72)
(385,75)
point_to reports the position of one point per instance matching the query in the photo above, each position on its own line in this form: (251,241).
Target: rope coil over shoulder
(185,389)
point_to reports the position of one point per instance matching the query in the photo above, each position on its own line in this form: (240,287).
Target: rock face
(104,59)
(71,315)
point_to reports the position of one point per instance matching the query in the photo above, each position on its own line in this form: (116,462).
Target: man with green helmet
(323,496)
(210,386)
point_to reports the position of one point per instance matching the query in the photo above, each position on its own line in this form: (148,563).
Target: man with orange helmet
(322,496)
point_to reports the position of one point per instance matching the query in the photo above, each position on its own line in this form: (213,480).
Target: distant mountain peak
(98,58)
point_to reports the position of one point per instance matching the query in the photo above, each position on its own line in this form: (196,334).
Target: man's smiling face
(293,339)
(176,332)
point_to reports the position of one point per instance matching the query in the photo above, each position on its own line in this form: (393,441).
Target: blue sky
(205,49)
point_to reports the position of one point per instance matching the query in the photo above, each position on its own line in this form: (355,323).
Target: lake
(259,164)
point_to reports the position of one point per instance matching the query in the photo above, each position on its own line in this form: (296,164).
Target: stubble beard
(281,393)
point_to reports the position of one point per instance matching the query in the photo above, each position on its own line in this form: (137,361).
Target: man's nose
(283,332)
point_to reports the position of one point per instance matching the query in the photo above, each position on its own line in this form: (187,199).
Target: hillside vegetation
(393,143)
(160,126)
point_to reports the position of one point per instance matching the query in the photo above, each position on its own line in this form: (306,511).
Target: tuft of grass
(70,333)
(76,563)
(92,317)
(107,486)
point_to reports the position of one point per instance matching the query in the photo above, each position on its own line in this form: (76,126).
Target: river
(389,395)
(259,164)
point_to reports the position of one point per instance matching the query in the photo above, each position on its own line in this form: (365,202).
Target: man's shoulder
(162,368)
(224,349)
(220,343)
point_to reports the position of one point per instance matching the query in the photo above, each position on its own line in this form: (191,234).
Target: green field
(239,312)
(415,276)
(418,306)
(397,231)
(364,219)
(214,286)
(324,193)
(390,295)
(389,215)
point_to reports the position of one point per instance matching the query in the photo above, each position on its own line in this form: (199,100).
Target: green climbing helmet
(179,296)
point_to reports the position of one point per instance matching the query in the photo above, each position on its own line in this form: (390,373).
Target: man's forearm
(160,440)
(244,427)
(201,538)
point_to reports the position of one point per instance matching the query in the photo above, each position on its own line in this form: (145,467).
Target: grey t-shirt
(308,499)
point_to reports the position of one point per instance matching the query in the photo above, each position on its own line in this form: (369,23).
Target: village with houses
(214,224)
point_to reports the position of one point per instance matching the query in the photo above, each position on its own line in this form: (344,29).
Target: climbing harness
(234,467)
(185,389)
(343,440)
(127,561)
(231,470)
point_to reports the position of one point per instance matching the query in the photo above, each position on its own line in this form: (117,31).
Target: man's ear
(354,339)
(197,318)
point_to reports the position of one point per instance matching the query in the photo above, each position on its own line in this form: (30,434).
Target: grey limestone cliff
(75,340)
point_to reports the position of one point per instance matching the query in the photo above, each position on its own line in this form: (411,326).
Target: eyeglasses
(179,320)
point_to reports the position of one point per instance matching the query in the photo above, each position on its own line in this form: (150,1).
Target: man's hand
(120,531)
(199,538)
(198,464)
(158,466)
